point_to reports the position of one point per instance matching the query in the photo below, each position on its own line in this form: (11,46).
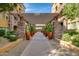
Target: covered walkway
(41,46)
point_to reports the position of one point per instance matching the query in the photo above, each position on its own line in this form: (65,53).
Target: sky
(37,7)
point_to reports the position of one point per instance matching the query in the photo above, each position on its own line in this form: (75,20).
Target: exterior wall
(20,21)
(3,23)
(57,7)
(20,8)
(58,23)
(73,24)
(14,22)
(77,23)
(10,22)
(3,20)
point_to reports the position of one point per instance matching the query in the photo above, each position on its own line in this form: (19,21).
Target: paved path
(39,46)
(17,50)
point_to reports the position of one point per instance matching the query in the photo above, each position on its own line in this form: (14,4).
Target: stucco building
(9,21)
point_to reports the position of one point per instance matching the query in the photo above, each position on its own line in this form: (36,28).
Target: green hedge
(66,37)
(11,36)
(75,40)
(71,36)
(2,32)
(72,32)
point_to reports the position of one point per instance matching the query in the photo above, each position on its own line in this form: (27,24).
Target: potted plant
(2,32)
(33,29)
(44,31)
(28,31)
(49,30)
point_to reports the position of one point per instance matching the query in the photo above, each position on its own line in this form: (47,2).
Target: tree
(7,7)
(71,10)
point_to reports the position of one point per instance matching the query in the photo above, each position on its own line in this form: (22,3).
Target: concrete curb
(69,46)
(10,46)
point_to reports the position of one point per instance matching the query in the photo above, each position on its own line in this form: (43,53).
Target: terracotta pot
(45,33)
(32,33)
(50,35)
(28,35)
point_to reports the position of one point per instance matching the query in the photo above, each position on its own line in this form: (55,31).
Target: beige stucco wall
(3,23)
(3,20)
(57,7)
(74,24)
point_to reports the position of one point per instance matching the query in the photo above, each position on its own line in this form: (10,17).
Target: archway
(41,20)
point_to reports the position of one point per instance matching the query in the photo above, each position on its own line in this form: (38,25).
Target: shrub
(33,28)
(71,36)
(11,36)
(28,28)
(66,37)
(2,32)
(72,32)
(48,27)
(75,40)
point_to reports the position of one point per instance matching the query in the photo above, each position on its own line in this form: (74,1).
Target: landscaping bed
(72,37)
(7,37)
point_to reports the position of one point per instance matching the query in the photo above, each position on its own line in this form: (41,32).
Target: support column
(11,22)
(21,29)
(57,31)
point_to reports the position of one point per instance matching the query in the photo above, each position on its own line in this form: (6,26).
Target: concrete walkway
(39,46)
(17,50)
